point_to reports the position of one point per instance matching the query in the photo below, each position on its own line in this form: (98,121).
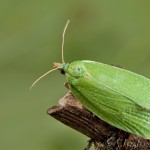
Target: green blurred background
(112,32)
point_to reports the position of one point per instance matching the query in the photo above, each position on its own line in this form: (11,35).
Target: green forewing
(124,82)
(117,96)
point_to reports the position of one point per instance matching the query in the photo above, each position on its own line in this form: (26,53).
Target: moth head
(76,70)
(62,67)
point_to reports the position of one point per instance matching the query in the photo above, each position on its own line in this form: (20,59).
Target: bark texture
(104,136)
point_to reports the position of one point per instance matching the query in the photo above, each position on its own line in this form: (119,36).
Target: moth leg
(67,85)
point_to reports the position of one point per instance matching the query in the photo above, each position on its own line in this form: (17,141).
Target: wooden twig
(102,135)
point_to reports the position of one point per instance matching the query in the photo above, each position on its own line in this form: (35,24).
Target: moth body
(117,96)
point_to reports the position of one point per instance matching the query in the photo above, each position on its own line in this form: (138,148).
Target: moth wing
(112,107)
(124,82)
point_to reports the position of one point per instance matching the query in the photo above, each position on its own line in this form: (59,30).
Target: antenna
(42,77)
(63,39)
(63,36)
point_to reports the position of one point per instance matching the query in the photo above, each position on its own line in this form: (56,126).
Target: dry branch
(104,136)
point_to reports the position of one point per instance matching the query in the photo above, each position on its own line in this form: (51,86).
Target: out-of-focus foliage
(112,32)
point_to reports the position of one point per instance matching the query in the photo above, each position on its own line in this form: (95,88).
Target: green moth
(117,96)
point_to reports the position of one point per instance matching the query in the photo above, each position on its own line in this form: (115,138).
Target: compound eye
(62,71)
(78,69)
